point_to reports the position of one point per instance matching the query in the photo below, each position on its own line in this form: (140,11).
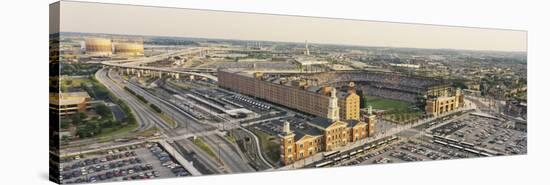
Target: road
(143,116)
(230,158)
(168,130)
(136,63)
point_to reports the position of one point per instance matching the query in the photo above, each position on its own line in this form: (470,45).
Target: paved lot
(127,163)
(486,133)
(405,151)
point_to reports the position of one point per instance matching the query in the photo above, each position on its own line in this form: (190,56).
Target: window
(289,150)
(301,145)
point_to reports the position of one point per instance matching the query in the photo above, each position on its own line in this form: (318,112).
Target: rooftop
(69,98)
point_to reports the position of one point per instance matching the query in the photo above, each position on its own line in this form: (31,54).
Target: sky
(158,21)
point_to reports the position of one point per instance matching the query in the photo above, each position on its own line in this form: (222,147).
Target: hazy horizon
(100,18)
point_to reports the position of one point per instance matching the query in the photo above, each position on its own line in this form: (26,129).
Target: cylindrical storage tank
(129,49)
(98,46)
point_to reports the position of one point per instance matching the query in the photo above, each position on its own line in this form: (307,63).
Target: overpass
(144,71)
(134,66)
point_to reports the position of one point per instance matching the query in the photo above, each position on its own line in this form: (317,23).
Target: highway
(136,64)
(146,112)
(143,117)
(228,153)
(231,159)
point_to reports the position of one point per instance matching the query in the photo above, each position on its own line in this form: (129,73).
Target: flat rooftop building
(64,104)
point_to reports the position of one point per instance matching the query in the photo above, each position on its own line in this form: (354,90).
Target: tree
(78,118)
(102,110)
(64,125)
(108,124)
(69,82)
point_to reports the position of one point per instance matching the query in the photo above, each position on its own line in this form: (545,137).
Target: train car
(452,140)
(360,150)
(492,153)
(346,156)
(485,154)
(471,150)
(323,164)
(439,137)
(330,154)
(367,148)
(179,97)
(466,144)
(353,153)
(441,142)
(456,146)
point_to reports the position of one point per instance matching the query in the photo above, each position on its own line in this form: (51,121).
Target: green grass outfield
(388,104)
(398,111)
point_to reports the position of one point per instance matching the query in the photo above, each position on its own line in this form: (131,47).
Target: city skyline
(171,22)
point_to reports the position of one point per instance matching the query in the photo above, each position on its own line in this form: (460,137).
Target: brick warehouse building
(337,122)
(294,94)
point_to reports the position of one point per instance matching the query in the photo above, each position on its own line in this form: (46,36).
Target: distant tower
(369,110)
(333,109)
(371,122)
(286,128)
(351,87)
(306,51)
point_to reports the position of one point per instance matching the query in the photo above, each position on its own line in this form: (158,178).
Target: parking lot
(492,134)
(275,127)
(250,103)
(142,161)
(406,151)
